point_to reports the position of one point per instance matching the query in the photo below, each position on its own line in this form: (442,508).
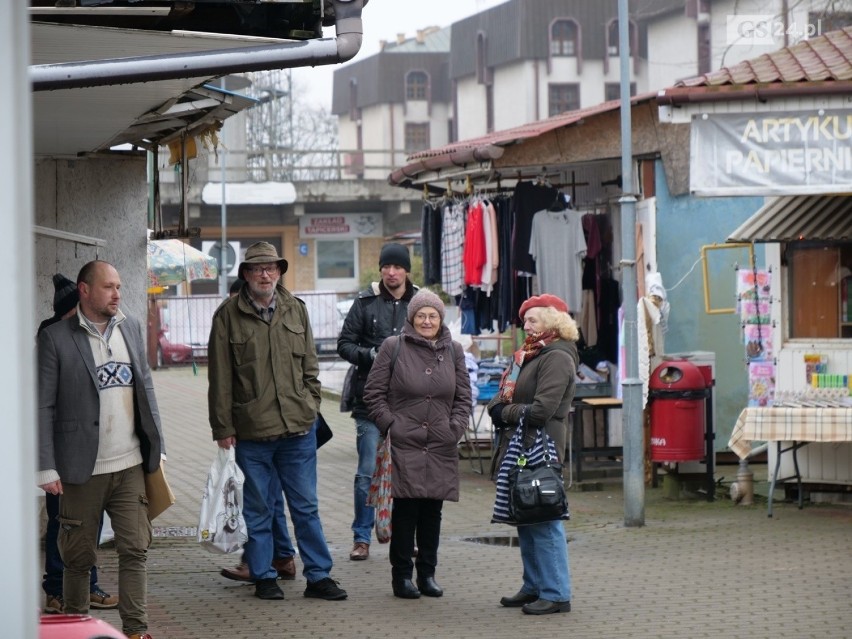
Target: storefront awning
(798,218)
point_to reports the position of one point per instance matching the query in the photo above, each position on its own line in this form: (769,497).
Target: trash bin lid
(677,375)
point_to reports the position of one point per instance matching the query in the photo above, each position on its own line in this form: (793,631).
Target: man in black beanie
(65,300)
(379,312)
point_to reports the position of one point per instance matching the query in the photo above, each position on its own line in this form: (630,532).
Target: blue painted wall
(685,224)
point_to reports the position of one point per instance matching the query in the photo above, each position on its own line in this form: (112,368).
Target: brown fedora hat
(262,253)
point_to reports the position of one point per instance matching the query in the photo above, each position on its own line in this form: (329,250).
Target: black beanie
(395,254)
(65,296)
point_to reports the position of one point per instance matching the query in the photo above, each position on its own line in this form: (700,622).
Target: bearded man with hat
(264,397)
(378,313)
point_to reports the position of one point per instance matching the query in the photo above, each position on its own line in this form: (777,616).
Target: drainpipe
(216,63)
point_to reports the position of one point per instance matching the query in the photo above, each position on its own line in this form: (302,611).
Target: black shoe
(429,587)
(325,589)
(518,600)
(267,589)
(545,607)
(405,589)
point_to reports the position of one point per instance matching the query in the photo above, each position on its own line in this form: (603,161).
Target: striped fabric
(790,424)
(452,247)
(534,455)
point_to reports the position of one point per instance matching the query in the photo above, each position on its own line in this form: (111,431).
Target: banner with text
(340,227)
(798,153)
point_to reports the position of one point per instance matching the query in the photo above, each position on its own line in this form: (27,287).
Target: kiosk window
(820,279)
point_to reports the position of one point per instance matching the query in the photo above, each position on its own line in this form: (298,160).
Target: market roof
(491,147)
(798,218)
(822,64)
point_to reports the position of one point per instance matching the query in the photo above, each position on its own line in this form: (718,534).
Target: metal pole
(291,159)
(223,253)
(634,449)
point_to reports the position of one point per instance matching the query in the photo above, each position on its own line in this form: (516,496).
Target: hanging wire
(697,262)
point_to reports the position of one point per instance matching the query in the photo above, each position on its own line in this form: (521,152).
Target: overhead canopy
(75,121)
(798,218)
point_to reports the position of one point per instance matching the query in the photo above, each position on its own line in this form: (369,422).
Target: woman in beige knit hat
(418,394)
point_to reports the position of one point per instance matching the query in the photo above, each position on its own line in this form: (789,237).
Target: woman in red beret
(535,394)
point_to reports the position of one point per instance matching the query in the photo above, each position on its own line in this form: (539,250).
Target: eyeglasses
(432,317)
(257,270)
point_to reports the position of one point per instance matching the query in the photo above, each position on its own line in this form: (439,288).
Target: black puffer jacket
(374,316)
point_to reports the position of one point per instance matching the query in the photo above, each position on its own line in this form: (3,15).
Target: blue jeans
(367,441)
(294,461)
(282,545)
(53,566)
(544,553)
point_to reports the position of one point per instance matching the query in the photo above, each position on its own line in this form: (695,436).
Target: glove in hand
(496,415)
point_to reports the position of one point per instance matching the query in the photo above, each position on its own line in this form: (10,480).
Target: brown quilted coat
(425,406)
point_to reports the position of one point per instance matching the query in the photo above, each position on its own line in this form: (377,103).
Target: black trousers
(410,519)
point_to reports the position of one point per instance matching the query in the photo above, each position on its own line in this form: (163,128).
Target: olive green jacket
(263,378)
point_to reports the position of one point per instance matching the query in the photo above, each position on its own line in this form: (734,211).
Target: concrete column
(18,552)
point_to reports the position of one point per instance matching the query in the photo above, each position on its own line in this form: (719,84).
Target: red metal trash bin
(76,627)
(677,390)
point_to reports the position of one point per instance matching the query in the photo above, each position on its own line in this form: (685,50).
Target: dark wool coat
(545,387)
(425,405)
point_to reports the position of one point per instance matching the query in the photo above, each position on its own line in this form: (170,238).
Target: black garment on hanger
(528,199)
(431,243)
(503,315)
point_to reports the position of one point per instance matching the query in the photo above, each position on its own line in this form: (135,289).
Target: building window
(820,279)
(483,75)
(612,90)
(353,100)
(417,86)
(562,98)
(335,259)
(563,38)
(417,136)
(612,38)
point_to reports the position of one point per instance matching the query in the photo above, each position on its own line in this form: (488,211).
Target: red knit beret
(543,301)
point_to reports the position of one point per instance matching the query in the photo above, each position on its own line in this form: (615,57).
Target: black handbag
(537,493)
(347,394)
(324,432)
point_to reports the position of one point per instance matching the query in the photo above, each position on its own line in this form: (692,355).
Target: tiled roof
(825,57)
(491,146)
(524,131)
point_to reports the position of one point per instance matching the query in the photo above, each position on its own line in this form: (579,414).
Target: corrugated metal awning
(798,218)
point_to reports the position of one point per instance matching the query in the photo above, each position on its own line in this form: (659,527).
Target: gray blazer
(69,401)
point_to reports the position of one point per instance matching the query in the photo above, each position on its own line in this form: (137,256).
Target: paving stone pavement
(696,569)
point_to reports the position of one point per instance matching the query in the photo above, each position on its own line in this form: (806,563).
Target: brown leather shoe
(360,551)
(239,572)
(286,567)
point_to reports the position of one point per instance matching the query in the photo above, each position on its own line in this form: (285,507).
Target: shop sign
(793,153)
(339,227)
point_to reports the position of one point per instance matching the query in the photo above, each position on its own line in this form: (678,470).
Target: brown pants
(122,496)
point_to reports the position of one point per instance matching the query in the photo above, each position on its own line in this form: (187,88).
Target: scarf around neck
(529,349)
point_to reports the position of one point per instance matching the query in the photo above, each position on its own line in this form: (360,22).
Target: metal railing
(188,319)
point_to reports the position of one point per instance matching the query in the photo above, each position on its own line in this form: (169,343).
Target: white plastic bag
(221,527)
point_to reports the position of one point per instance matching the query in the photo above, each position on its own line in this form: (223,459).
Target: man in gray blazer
(99,432)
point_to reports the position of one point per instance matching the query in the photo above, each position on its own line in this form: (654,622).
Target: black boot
(429,587)
(405,589)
